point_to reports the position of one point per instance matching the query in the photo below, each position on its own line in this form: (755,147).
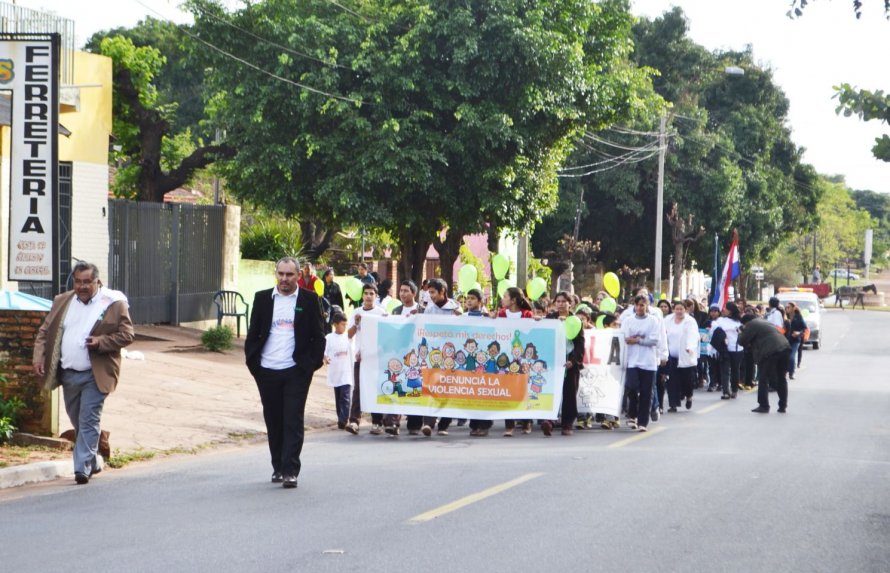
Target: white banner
(29,67)
(601,387)
(462,367)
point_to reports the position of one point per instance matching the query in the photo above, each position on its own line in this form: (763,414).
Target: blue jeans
(83,402)
(792,358)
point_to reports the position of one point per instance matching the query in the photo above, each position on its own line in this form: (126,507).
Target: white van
(807,300)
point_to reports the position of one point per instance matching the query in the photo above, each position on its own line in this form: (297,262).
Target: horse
(856,294)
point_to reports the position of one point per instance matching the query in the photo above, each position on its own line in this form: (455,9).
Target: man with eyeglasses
(78,347)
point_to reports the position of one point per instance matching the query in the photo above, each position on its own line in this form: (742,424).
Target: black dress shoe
(781,410)
(760,410)
(289,482)
(81,478)
(277,477)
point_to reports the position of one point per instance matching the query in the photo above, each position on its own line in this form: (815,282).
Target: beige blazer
(114,330)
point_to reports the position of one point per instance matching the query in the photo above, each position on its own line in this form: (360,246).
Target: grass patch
(242,436)
(120,459)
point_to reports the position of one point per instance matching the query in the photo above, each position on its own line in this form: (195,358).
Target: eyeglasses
(78,282)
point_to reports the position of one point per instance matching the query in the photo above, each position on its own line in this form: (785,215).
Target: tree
(154,156)
(797,7)
(448,114)
(683,234)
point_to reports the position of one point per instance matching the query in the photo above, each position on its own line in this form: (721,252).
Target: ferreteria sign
(29,67)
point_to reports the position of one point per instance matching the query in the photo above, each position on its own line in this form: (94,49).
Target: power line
(270,42)
(627,161)
(250,65)
(615,159)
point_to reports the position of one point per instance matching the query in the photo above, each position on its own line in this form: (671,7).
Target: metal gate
(167,258)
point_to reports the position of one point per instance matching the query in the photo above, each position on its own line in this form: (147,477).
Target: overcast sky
(808,56)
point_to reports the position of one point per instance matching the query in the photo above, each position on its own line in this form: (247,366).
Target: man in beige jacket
(78,347)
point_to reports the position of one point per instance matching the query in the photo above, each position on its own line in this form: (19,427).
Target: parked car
(844,274)
(807,300)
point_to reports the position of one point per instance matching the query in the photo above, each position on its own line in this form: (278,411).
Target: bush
(271,239)
(218,338)
(9,414)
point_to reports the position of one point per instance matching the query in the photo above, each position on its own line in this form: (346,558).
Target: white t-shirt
(79,321)
(278,352)
(774,317)
(511,314)
(357,339)
(338,349)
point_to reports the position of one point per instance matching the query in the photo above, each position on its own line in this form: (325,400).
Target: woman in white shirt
(731,358)
(641,332)
(683,342)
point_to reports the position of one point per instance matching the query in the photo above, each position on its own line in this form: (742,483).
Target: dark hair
(370,287)
(475,292)
(519,297)
(384,287)
(363,266)
(773,302)
(410,284)
(438,285)
(325,274)
(540,306)
(496,344)
(82,266)
(734,312)
(639,298)
(747,318)
(564,294)
(338,317)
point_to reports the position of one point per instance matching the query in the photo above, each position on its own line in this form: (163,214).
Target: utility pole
(659,213)
(522,262)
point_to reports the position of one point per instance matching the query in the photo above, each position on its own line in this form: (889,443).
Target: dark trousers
(748,367)
(570,397)
(772,373)
(283,394)
(355,412)
(417,422)
(680,383)
(638,389)
(714,372)
(341,401)
(480,424)
(730,363)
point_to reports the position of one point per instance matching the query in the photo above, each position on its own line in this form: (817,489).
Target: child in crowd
(338,357)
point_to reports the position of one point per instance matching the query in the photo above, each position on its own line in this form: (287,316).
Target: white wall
(89,214)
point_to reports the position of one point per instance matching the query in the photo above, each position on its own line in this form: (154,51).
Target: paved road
(714,489)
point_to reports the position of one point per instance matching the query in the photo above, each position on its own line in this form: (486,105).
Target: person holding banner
(515,305)
(574,357)
(354,328)
(439,304)
(642,333)
(683,341)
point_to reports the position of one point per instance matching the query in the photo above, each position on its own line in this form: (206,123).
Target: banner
(601,387)
(462,367)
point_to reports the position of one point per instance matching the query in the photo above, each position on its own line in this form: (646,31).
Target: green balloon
(573,327)
(391,305)
(466,277)
(503,286)
(608,305)
(535,288)
(499,266)
(477,286)
(599,322)
(353,288)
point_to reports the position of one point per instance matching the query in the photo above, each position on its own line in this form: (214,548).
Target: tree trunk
(413,243)
(316,239)
(449,251)
(679,264)
(493,243)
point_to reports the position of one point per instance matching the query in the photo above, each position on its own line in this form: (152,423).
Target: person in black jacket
(283,349)
(332,297)
(771,352)
(794,333)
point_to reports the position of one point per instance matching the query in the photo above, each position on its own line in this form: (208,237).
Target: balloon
(608,305)
(353,288)
(612,284)
(391,305)
(477,286)
(503,286)
(805,312)
(466,277)
(599,322)
(319,287)
(535,288)
(499,266)
(573,327)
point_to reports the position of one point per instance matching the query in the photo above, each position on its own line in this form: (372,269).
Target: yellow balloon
(319,287)
(612,284)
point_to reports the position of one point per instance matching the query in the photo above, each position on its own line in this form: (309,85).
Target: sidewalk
(182,398)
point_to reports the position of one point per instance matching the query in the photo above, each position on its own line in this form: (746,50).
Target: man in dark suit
(284,347)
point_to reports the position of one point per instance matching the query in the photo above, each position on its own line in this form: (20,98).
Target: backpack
(718,340)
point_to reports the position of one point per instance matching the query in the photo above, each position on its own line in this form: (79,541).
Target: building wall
(89,214)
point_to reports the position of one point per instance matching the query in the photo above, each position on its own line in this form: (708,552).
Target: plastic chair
(226,302)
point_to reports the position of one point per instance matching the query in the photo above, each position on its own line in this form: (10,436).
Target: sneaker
(546,427)
(376,430)
(588,424)
(615,424)
(341,425)
(426,430)
(478,433)
(632,424)
(352,428)
(508,433)
(724,397)
(81,478)
(672,410)
(606,425)
(527,427)
(442,433)
(642,429)
(567,432)
(654,415)
(580,424)
(391,430)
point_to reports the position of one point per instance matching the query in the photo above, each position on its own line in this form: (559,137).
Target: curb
(34,473)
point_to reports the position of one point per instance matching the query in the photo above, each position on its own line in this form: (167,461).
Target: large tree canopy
(435,113)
